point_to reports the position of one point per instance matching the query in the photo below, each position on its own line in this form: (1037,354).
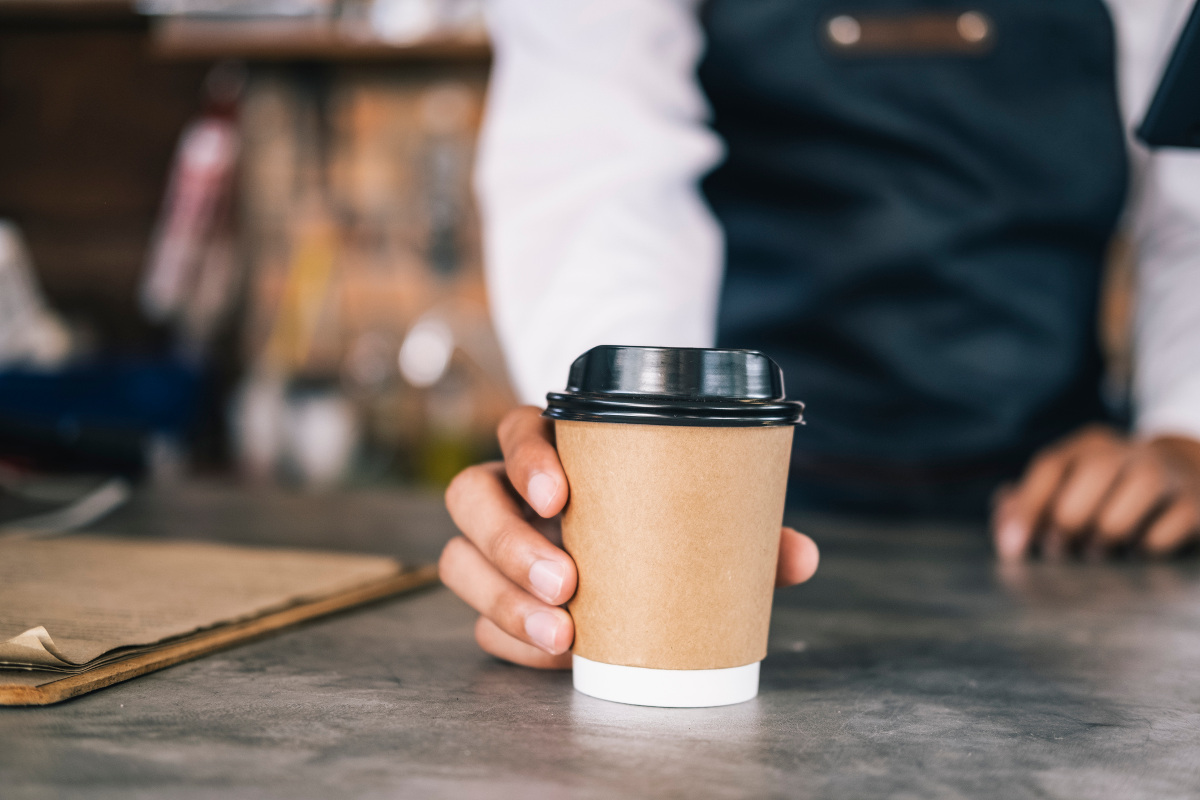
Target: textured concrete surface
(910,667)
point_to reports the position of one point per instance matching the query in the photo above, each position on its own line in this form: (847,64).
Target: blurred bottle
(322,434)
(446,112)
(190,271)
(305,430)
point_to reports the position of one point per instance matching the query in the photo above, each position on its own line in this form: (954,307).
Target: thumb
(798,558)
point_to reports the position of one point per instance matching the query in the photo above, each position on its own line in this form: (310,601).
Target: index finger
(527,440)
(1022,510)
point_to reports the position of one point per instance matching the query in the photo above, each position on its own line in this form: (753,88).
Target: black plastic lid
(675,386)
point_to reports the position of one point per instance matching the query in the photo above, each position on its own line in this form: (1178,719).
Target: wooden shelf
(65,9)
(297,40)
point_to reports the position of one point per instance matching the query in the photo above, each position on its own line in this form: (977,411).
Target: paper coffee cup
(677,461)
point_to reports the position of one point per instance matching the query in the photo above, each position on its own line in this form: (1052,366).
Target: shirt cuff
(1176,414)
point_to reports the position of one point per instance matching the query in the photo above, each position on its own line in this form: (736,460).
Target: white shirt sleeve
(1164,220)
(592,148)
(595,231)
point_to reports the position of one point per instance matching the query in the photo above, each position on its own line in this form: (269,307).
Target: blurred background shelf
(341,232)
(65,9)
(302,39)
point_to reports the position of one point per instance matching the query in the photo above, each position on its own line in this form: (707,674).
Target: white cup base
(666,688)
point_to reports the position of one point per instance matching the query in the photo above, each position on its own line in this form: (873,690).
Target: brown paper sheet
(675,531)
(40,687)
(73,603)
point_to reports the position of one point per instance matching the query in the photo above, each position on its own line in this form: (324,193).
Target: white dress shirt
(595,230)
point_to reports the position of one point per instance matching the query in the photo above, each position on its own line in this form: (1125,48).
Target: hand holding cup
(508,564)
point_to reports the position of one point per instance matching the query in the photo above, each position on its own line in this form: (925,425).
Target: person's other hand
(1098,491)
(508,564)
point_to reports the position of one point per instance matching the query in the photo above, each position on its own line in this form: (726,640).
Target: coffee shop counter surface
(911,666)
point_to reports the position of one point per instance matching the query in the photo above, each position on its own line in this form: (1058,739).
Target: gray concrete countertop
(910,667)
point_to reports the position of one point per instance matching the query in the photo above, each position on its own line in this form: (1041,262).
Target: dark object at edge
(1173,119)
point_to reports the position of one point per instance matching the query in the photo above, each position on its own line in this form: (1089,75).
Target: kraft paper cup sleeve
(677,460)
(675,531)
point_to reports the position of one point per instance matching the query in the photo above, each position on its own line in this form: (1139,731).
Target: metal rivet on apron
(973,27)
(845,31)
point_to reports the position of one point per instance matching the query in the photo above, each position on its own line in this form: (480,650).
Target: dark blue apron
(915,229)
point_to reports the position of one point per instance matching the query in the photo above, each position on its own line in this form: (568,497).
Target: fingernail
(1010,540)
(542,627)
(541,491)
(547,577)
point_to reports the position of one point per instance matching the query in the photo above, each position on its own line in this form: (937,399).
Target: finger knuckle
(1068,516)
(450,558)
(512,422)
(1098,434)
(504,610)
(1112,525)
(1161,477)
(1147,468)
(523,460)
(460,486)
(1045,466)
(1189,515)
(1041,462)
(489,638)
(1173,529)
(467,485)
(1160,543)
(504,429)
(483,633)
(505,544)
(456,487)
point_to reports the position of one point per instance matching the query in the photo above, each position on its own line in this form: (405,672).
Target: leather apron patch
(917,33)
